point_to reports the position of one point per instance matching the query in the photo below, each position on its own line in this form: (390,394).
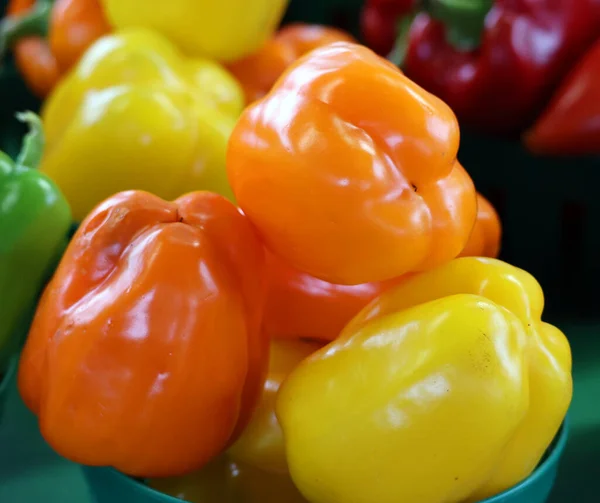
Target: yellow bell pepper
(254,469)
(136,114)
(224,30)
(224,480)
(448,388)
(261,445)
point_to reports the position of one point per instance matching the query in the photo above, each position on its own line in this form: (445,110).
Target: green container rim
(549,463)
(7,376)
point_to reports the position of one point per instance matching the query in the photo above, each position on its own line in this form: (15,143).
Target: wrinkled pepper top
(34,221)
(348,169)
(300,305)
(223,30)
(450,376)
(137,114)
(149,335)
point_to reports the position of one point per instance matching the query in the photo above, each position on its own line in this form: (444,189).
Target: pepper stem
(33,142)
(398,53)
(33,22)
(464,20)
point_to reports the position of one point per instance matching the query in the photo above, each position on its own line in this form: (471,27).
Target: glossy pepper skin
(223,30)
(261,444)
(254,469)
(338,183)
(501,80)
(258,72)
(137,114)
(146,352)
(569,126)
(34,220)
(300,305)
(49,37)
(471,387)
(487,232)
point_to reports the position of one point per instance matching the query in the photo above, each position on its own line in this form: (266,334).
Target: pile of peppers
(280,288)
(506,67)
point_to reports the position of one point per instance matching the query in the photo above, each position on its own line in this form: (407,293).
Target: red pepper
(379,20)
(571,123)
(497,62)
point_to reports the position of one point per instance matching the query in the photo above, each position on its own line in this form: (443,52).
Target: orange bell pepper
(146,352)
(254,470)
(259,72)
(71,25)
(300,305)
(486,233)
(348,170)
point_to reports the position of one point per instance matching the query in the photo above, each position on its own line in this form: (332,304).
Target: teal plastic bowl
(7,375)
(537,487)
(109,486)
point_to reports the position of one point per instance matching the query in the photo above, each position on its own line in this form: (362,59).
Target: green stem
(398,53)
(466,5)
(33,22)
(33,142)
(464,20)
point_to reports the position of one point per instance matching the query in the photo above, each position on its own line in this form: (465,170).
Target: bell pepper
(496,63)
(145,353)
(338,183)
(136,114)
(487,231)
(449,377)
(49,36)
(223,30)
(300,305)
(254,469)
(258,72)
(224,480)
(34,221)
(379,22)
(569,125)
(261,444)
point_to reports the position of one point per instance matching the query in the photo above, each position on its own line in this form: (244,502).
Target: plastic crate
(548,207)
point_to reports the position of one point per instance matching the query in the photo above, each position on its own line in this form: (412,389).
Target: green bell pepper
(34,222)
